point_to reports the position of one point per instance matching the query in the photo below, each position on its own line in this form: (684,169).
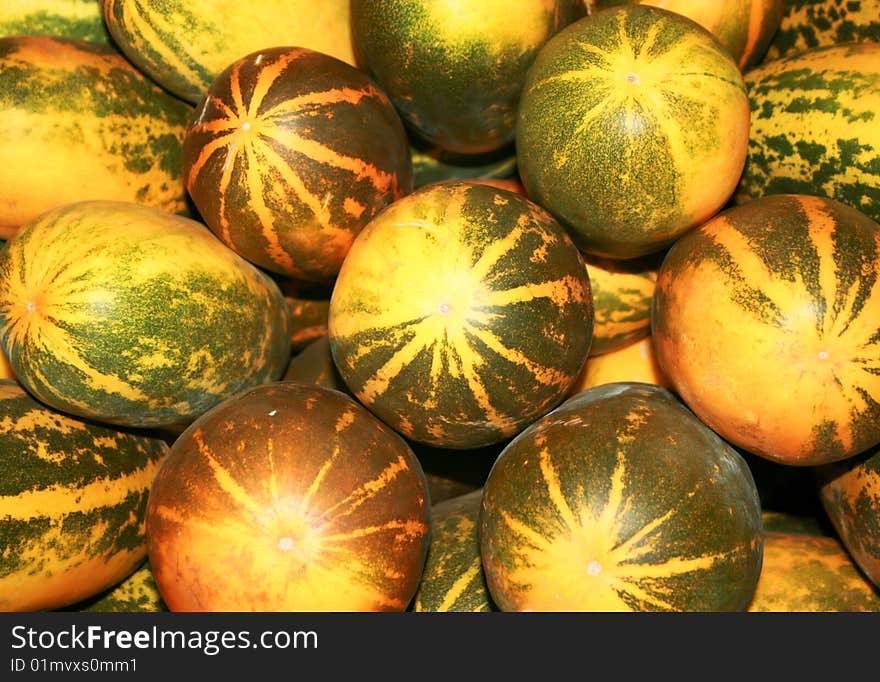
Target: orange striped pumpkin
(290,153)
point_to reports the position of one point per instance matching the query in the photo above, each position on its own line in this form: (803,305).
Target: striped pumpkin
(622,292)
(744,28)
(81,19)
(461,314)
(770,305)
(308,306)
(816,127)
(455,72)
(73,498)
(806,573)
(132,316)
(453,578)
(632,128)
(849,491)
(80,122)
(620,499)
(807,24)
(137,593)
(289,155)
(184,44)
(288,497)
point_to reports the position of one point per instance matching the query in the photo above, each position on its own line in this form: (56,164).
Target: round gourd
(81,123)
(455,70)
(289,155)
(461,313)
(806,24)
(288,497)
(620,499)
(632,128)
(73,500)
(765,322)
(130,315)
(81,19)
(815,127)
(849,491)
(634,362)
(184,44)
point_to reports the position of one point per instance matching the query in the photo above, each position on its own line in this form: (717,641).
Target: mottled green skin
(850,494)
(675,473)
(822,132)
(813,23)
(81,19)
(138,593)
(219,324)
(622,187)
(807,573)
(41,448)
(453,578)
(459,94)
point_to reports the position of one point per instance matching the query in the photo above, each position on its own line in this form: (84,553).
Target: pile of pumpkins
(398,305)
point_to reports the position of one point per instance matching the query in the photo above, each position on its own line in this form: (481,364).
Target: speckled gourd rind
(290,154)
(807,24)
(129,315)
(744,28)
(137,593)
(184,44)
(73,498)
(816,127)
(849,491)
(453,579)
(461,313)
(632,128)
(622,292)
(455,72)
(772,304)
(80,122)
(288,497)
(620,499)
(81,19)
(806,573)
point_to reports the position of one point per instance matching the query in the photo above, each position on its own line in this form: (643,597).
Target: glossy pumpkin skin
(455,71)
(73,498)
(453,579)
(622,293)
(744,28)
(288,497)
(80,122)
(849,491)
(632,128)
(289,155)
(184,44)
(80,19)
(461,313)
(807,24)
(806,573)
(620,499)
(816,127)
(132,316)
(773,304)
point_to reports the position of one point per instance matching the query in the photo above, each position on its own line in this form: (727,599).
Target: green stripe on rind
(73,497)
(521,314)
(849,491)
(816,127)
(807,24)
(453,578)
(143,318)
(82,111)
(81,19)
(644,143)
(593,508)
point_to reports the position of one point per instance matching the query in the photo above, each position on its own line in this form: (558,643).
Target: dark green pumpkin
(620,499)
